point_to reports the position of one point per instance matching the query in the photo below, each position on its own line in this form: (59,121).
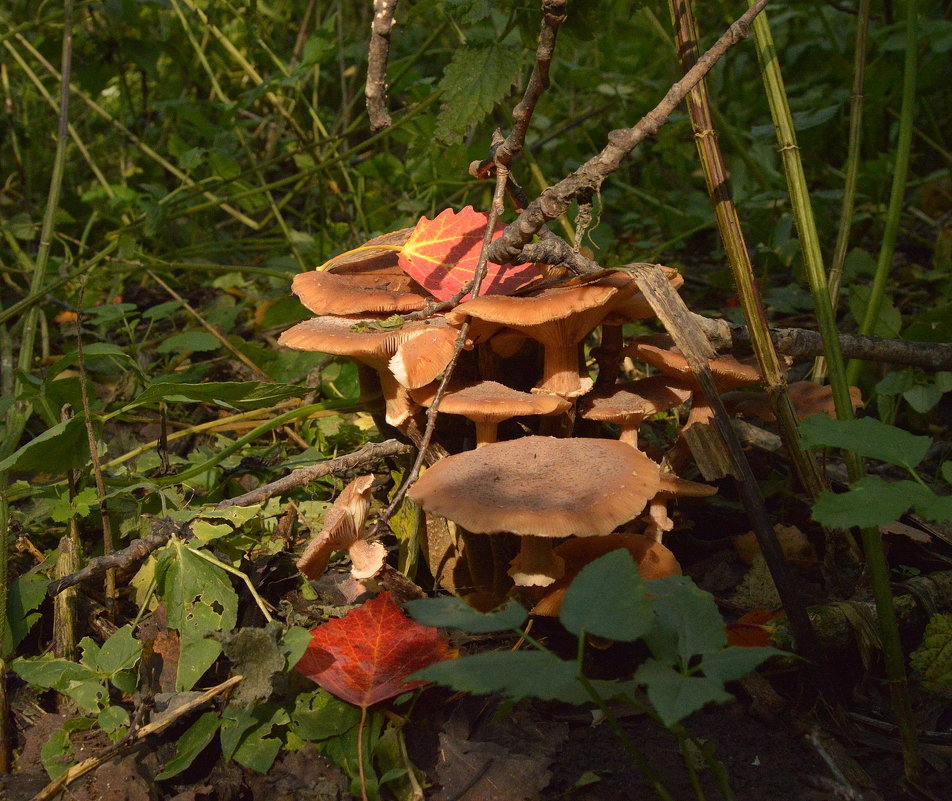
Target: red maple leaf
(366,656)
(441,255)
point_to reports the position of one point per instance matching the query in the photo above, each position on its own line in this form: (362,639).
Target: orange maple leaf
(366,656)
(441,255)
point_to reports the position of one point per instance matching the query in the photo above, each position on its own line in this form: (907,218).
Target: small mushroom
(808,399)
(558,318)
(627,405)
(343,527)
(539,488)
(488,403)
(671,487)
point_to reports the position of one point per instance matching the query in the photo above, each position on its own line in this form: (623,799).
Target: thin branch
(377,57)
(305,475)
(555,200)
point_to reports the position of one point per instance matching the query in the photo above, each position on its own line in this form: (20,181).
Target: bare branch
(555,200)
(377,57)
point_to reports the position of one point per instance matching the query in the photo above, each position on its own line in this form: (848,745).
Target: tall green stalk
(876,564)
(898,192)
(19,413)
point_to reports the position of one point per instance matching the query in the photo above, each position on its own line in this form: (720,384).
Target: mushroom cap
(728,373)
(635,400)
(808,398)
(420,359)
(673,486)
(491,401)
(547,305)
(343,336)
(540,486)
(331,293)
(636,307)
(376,263)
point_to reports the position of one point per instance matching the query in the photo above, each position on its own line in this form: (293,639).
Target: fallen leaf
(441,255)
(753,629)
(366,656)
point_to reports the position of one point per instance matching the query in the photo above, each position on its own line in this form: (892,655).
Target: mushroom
(808,399)
(343,527)
(331,293)
(540,488)
(355,337)
(654,561)
(488,403)
(627,405)
(558,318)
(671,486)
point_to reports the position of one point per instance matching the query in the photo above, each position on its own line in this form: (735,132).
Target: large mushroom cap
(331,293)
(540,487)
(635,399)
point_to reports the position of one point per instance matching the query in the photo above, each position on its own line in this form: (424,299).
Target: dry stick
(690,340)
(165,720)
(305,475)
(738,257)
(555,200)
(431,413)
(802,343)
(377,56)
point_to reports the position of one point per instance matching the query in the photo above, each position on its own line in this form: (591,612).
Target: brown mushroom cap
(331,293)
(420,359)
(488,403)
(634,400)
(808,399)
(728,373)
(376,264)
(673,486)
(540,487)
(558,318)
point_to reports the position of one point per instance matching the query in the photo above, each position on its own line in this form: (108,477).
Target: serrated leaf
(441,255)
(244,737)
(735,662)
(26,594)
(190,744)
(675,696)
(474,81)
(869,502)
(455,613)
(113,718)
(865,437)
(320,716)
(687,621)
(120,652)
(514,674)
(607,599)
(79,506)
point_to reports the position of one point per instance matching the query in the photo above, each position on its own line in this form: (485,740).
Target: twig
(305,475)
(802,343)
(553,15)
(377,57)
(132,554)
(431,413)
(555,200)
(55,787)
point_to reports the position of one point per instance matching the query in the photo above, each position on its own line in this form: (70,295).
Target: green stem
(876,564)
(898,192)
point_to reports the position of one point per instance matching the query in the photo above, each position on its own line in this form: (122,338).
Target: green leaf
(514,674)
(244,735)
(236,395)
(62,447)
(947,471)
(189,342)
(56,754)
(120,652)
(75,681)
(870,502)
(607,599)
(687,623)
(294,644)
(866,437)
(113,719)
(734,663)
(192,742)
(455,613)
(675,696)
(65,508)
(474,81)
(26,594)
(933,658)
(318,715)
(200,599)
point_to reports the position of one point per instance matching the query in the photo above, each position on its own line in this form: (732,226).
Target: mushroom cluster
(551,450)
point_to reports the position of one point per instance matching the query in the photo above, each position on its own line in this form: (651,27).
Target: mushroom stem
(560,369)
(486,432)
(536,565)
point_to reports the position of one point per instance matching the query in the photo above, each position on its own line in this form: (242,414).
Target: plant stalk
(813,259)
